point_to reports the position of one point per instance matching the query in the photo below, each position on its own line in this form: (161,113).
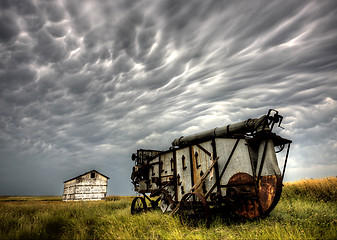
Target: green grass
(307,210)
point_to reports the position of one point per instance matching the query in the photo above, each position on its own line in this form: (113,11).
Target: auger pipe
(247,126)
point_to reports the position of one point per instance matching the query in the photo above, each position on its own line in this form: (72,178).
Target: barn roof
(85,174)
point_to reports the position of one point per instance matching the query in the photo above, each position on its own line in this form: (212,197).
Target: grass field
(307,210)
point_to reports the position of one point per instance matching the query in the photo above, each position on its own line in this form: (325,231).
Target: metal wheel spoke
(138,205)
(194,210)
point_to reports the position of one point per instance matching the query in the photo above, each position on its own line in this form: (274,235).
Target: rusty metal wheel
(254,201)
(194,210)
(138,205)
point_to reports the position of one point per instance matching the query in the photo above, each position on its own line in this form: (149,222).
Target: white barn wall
(86,187)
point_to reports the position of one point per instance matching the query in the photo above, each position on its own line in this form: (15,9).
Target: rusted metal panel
(253,202)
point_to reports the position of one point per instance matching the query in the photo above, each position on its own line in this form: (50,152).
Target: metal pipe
(246,126)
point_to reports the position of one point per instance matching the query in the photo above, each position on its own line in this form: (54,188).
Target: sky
(85,83)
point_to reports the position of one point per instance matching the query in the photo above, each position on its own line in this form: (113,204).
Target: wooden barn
(89,186)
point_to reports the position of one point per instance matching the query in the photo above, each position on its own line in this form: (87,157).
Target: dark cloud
(77,84)
(48,48)
(56,31)
(122,64)
(83,84)
(145,40)
(53,11)
(17,77)
(9,28)
(24,7)
(33,23)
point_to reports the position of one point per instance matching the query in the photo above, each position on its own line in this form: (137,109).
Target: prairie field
(306,210)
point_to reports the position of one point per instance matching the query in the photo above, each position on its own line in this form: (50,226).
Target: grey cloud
(5,4)
(126,33)
(181,15)
(71,42)
(104,53)
(145,40)
(71,65)
(156,58)
(122,64)
(62,107)
(263,19)
(47,84)
(84,18)
(20,53)
(33,23)
(77,84)
(57,30)
(24,7)
(9,28)
(78,21)
(125,38)
(94,131)
(54,12)
(95,101)
(91,37)
(20,97)
(49,49)
(323,113)
(16,77)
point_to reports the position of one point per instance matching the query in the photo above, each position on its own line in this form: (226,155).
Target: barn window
(92,175)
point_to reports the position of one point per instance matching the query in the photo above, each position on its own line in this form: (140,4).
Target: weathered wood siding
(91,186)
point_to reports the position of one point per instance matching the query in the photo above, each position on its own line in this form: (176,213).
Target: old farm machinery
(232,167)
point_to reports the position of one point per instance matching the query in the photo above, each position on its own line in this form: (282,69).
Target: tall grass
(312,189)
(29,198)
(307,210)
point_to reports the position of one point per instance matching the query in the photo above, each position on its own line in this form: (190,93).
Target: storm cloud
(84,84)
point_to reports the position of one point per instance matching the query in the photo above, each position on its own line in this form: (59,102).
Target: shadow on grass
(226,216)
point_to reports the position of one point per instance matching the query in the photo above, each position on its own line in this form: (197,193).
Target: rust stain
(252,201)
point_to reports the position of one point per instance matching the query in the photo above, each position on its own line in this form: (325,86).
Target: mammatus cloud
(83,84)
